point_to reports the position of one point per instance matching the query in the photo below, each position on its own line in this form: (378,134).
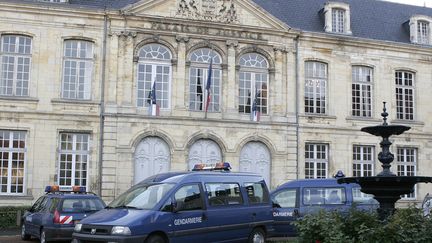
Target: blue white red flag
(208,85)
(154,107)
(256,114)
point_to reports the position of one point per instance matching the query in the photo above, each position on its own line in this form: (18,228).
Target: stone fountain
(386,187)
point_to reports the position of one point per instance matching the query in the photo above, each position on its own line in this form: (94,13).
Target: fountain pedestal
(386,187)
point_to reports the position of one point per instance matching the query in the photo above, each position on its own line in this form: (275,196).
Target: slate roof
(370,19)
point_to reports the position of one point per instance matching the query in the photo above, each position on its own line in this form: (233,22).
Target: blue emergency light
(224,166)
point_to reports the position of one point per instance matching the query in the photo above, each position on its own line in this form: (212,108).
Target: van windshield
(142,197)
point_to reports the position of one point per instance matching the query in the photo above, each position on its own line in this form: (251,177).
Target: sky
(414,2)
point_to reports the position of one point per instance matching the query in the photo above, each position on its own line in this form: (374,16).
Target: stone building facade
(78,77)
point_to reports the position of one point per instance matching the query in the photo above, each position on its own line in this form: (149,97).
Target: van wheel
(257,236)
(155,239)
(42,237)
(24,235)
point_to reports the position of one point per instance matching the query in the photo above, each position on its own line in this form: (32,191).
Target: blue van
(297,198)
(196,206)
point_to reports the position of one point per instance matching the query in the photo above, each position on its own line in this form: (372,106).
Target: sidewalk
(10,231)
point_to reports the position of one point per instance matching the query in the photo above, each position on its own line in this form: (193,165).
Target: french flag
(256,114)
(154,107)
(208,86)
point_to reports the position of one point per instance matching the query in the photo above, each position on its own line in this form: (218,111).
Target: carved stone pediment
(210,10)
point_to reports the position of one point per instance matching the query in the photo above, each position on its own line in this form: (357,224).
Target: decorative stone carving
(182,38)
(232,43)
(210,10)
(125,33)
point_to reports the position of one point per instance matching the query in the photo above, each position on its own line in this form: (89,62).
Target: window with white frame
(363,160)
(407,164)
(74,158)
(77,69)
(16,56)
(404,95)
(338,20)
(154,66)
(423,32)
(420,32)
(315,87)
(316,161)
(253,83)
(362,91)
(198,80)
(12,161)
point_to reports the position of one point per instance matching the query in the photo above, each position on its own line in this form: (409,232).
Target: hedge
(8,216)
(406,225)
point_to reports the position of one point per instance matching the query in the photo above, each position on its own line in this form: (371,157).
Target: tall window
(77,69)
(198,77)
(407,164)
(253,83)
(15,65)
(12,161)
(154,66)
(423,32)
(74,158)
(361,91)
(404,95)
(315,87)
(363,160)
(316,159)
(338,20)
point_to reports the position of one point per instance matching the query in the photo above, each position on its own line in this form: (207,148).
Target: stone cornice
(351,41)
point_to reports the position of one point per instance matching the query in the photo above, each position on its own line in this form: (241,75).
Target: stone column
(180,88)
(230,89)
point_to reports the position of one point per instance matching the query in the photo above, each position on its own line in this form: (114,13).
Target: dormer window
(337,18)
(423,32)
(420,32)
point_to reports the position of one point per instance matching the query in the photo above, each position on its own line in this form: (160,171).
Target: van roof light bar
(222,166)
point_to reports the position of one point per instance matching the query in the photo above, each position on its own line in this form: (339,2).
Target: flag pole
(208,84)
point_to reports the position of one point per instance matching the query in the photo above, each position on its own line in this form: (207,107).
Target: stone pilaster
(128,67)
(230,89)
(179,75)
(277,101)
(112,72)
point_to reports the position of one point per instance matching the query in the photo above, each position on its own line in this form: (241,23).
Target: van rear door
(285,210)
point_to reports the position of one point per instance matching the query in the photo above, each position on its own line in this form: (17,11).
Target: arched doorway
(152,156)
(255,157)
(204,151)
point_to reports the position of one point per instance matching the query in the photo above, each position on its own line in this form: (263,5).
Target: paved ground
(13,236)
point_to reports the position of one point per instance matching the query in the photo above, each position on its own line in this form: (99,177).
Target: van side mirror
(177,206)
(276,205)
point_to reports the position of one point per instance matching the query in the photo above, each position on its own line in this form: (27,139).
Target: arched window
(198,80)
(77,69)
(154,66)
(253,83)
(16,55)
